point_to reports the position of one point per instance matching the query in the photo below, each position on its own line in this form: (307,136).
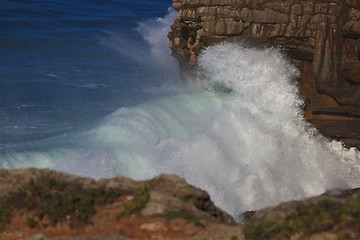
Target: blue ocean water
(90,88)
(60,68)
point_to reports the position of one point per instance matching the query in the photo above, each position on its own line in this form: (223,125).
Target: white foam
(259,151)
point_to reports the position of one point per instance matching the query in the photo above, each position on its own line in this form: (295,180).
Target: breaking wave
(238,132)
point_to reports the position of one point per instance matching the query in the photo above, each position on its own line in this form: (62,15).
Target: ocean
(90,88)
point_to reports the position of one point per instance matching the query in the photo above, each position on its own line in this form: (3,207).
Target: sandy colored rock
(324,236)
(155,226)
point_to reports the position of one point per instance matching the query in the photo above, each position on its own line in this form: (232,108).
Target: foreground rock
(56,204)
(43,205)
(322,217)
(321,37)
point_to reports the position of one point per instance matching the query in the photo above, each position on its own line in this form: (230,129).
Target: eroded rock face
(322,38)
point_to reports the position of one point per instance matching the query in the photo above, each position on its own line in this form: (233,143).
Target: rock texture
(172,209)
(168,207)
(321,37)
(323,217)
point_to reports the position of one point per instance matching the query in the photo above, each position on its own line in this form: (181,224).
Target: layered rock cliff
(321,37)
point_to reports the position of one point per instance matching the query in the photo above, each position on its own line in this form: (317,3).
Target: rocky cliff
(321,37)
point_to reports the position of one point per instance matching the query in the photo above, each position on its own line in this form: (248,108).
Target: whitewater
(236,130)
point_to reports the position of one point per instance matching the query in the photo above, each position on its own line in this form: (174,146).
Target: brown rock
(324,236)
(154,226)
(174,209)
(323,211)
(174,194)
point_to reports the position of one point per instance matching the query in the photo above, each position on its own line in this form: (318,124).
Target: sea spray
(269,152)
(238,132)
(155,32)
(258,151)
(151,50)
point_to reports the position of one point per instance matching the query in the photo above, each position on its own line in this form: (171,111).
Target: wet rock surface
(322,38)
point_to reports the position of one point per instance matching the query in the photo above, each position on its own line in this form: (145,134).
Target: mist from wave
(238,132)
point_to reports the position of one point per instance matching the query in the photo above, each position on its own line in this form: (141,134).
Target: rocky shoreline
(43,204)
(322,38)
